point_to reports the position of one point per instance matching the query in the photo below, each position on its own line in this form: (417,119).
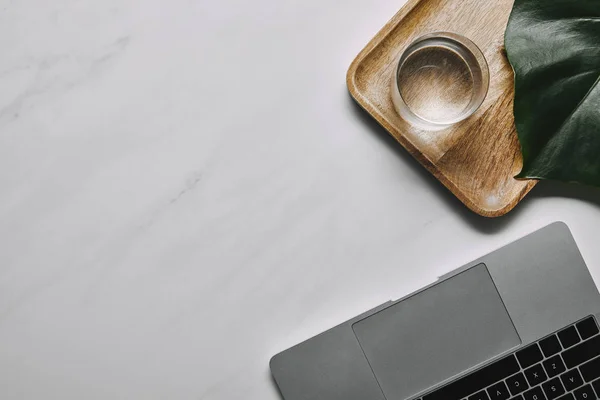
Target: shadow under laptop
(482,224)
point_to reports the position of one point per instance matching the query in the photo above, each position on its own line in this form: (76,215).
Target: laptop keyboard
(563,366)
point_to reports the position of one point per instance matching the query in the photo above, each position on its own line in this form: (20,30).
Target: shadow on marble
(481,224)
(549,189)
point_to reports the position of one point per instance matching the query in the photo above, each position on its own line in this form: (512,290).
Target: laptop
(519,323)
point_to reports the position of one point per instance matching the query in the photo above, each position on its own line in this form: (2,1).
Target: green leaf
(554,48)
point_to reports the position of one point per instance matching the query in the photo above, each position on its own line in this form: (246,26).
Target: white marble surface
(187,189)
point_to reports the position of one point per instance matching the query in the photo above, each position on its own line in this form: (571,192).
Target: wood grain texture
(477,158)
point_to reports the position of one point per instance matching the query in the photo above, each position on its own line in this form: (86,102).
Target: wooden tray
(477,158)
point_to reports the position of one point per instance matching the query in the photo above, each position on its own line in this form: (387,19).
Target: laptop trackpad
(436,334)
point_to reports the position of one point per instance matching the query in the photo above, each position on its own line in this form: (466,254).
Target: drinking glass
(442,78)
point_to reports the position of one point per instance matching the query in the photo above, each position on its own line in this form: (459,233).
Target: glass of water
(442,78)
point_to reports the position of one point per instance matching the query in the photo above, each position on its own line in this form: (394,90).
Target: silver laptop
(519,323)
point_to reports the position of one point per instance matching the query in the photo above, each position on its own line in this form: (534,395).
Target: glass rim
(479,57)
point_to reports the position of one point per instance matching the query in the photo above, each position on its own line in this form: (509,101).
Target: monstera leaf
(554,48)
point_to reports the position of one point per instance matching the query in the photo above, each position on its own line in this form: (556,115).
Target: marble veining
(186,189)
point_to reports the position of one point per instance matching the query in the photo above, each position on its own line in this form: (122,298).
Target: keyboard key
(535,375)
(550,346)
(590,370)
(480,396)
(478,380)
(568,337)
(498,392)
(596,386)
(568,396)
(571,380)
(554,366)
(553,389)
(529,356)
(517,384)
(587,328)
(534,394)
(519,397)
(582,352)
(585,393)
